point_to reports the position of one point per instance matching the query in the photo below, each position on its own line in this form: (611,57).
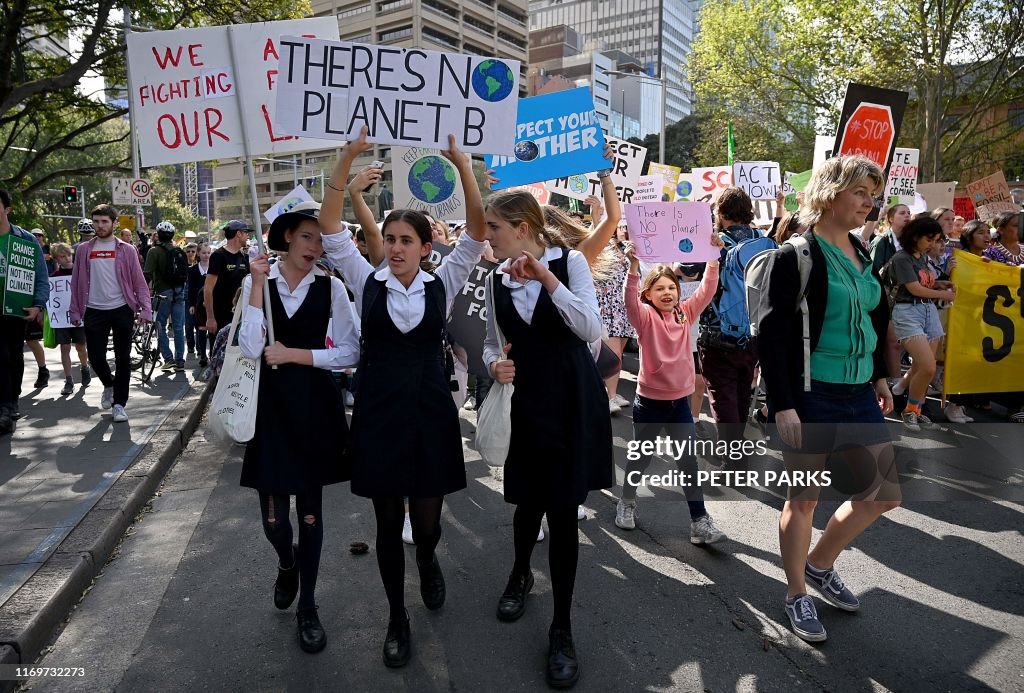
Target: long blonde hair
(517,206)
(573,233)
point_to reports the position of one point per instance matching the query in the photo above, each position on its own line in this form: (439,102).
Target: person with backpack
(166,271)
(821,340)
(728,351)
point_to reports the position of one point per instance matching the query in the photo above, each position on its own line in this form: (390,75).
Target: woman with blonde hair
(841,402)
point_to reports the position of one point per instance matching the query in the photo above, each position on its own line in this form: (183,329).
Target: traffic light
(70,193)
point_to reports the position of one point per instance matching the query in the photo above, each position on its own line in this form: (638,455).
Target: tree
(681,143)
(779,70)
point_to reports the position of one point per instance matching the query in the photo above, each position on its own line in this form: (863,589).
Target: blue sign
(557,135)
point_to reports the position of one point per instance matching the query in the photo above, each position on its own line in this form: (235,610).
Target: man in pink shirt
(108,291)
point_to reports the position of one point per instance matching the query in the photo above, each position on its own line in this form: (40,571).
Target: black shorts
(70,335)
(33,331)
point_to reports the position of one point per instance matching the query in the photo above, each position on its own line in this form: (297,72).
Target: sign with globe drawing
(403,96)
(425,180)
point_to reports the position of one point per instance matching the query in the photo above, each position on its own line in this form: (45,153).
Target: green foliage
(681,143)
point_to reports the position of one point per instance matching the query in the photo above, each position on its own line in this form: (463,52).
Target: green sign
(798,181)
(17,274)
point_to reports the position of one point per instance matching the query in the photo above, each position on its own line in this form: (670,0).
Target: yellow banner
(985,341)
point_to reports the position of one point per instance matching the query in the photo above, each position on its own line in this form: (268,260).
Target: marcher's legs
(98,324)
(163,311)
(390,513)
(12,360)
(309,507)
(123,324)
(616,344)
(178,324)
(563,555)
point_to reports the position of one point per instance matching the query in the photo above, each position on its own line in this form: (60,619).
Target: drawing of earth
(686,245)
(578,184)
(492,80)
(526,150)
(432,179)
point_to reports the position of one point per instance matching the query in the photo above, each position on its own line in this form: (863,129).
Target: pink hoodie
(129,276)
(666,362)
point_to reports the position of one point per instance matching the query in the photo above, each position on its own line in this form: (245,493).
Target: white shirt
(105,291)
(343,330)
(405,305)
(577,302)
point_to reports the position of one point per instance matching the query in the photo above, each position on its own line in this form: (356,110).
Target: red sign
(140,188)
(870,132)
(538,190)
(963,207)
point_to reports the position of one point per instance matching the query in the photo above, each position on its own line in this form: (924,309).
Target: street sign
(870,123)
(131,191)
(126,221)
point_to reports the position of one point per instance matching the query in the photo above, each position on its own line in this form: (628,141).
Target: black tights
(425,516)
(277,525)
(563,553)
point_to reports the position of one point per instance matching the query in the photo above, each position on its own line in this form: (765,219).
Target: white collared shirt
(577,303)
(405,305)
(344,331)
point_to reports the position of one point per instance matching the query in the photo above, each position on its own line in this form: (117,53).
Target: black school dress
(406,438)
(561,445)
(300,422)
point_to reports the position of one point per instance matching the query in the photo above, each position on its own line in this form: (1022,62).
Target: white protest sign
(426,181)
(183,96)
(902,182)
(708,183)
(285,204)
(404,96)
(626,171)
(649,189)
(58,306)
(822,149)
(759,179)
(131,191)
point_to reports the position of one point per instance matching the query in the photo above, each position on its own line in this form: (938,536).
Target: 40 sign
(870,123)
(131,191)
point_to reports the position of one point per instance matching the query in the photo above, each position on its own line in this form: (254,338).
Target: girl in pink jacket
(666,381)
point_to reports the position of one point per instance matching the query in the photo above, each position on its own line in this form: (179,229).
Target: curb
(29,618)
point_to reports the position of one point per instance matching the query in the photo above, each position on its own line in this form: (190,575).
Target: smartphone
(375,164)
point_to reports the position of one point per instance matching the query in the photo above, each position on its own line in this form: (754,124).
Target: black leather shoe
(512,603)
(287,585)
(432,587)
(312,637)
(397,643)
(563,668)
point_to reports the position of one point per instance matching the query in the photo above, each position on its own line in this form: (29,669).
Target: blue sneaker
(804,619)
(831,587)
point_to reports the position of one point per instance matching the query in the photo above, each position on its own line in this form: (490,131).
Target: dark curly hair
(922,226)
(735,205)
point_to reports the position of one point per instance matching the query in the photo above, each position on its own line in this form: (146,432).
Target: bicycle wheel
(138,356)
(151,353)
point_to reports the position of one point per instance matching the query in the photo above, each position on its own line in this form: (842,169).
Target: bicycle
(145,353)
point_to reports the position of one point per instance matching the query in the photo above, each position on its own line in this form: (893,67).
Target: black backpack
(176,269)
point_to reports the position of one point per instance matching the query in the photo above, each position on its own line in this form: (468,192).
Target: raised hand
(365,178)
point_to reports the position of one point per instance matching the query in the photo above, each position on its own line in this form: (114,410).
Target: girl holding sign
(300,421)
(546,308)
(406,438)
(63,257)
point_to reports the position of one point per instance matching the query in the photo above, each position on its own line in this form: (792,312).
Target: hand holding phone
(375,164)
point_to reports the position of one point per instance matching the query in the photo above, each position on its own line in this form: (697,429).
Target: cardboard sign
(823,146)
(650,189)
(556,135)
(684,187)
(870,123)
(709,183)
(17,274)
(131,192)
(542,194)
(937,194)
(285,204)
(963,207)
(795,183)
(671,231)
(760,179)
(404,96)
(626,170)
(426,181)
(902,180)
(671,175)
(58,306)
(991,195)
(183,96)
(467,324)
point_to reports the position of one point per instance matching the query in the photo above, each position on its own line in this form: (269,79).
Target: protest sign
(404,96)
(708,183)
(671,231)
(184,103)
(985,336)
(426,181)
(760,179)
(795,183)
(542,194)
(963,207)
(684,187)
(556,135)
(297,196)
(17,274)
(626,170)
(823,145)
(58,306)
(991,195)
(467,323)
(671,174)
(870,123)
(902,179)
(649,189)
(938,194)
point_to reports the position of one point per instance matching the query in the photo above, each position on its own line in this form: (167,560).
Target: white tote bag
(233,406)
(494,424)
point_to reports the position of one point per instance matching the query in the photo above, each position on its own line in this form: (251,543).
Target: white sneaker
(581,514)
(613,408)
(407,531)
(350,401)
(704,531)
(625,514)
(470,403)
(120,415)
(956,414)
(107,400)
(621,401)
(540,534)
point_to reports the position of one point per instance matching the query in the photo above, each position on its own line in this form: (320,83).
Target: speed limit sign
(131,191)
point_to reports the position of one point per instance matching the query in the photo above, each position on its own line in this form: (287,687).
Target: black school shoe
(432,587)
(398,643)
(563,667)
(43,378)
(312,637)
(512,603)
(287,585)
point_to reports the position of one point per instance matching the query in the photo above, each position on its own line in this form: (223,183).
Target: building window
(392,5)
(354,11)
(396,34)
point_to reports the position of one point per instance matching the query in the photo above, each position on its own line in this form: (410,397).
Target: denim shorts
(916,319)
(835,417)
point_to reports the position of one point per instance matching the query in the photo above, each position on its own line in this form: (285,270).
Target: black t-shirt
(907,269)
(230,269)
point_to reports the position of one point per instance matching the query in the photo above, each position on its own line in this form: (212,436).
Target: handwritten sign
(759,179)
(671,231)
(709,183)
(59,304)
(626,170)
(557,135)
(649,189)
(467,323)
(938,194)
(405,96)
(426,181)
(991,196)
(902,182)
